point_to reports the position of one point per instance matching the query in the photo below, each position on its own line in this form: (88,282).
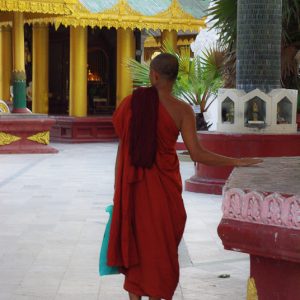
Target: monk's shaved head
(166,65)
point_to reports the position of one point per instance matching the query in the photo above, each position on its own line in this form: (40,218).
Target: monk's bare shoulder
(184,111)
(183,107)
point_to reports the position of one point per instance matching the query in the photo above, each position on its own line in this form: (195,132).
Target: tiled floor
(52,217)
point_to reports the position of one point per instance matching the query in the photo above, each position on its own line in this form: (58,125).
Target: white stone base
(256,111)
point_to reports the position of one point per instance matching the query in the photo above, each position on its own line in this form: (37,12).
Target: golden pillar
(40,52)
(19,80)
(78,72)
(171,37)
(18,42)
(5,62)
(125,50)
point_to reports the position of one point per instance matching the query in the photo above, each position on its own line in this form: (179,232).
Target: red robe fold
(149,215)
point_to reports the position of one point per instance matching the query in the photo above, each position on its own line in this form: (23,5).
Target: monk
(149,215)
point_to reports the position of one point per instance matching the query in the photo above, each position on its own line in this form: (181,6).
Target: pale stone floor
(52,219)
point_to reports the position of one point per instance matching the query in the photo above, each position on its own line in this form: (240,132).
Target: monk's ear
(156,75)
(151,77)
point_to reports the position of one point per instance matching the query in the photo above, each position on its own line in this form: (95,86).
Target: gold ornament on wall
(3,107)
(41,137)
(6,138)
(39,6)
(251,290)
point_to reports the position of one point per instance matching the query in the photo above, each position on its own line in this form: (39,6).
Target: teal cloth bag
(104,269)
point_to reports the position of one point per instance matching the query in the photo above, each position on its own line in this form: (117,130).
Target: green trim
(19,89)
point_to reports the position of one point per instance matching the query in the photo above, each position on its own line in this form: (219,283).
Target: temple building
(74,62)
(13,16)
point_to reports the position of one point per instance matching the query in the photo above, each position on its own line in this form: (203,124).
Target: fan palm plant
(223,16)
(198,78)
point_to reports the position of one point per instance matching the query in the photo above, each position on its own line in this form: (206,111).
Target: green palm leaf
(223,14)
(139,72)
(197,79)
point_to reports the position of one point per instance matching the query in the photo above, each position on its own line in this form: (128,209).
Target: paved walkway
(52,219)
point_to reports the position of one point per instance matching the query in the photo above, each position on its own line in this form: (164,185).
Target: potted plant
(198,80)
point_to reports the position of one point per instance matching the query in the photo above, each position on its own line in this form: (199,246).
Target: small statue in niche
(255,111)
(280,118)
(230,113)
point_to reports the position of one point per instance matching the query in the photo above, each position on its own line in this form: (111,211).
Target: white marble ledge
(276,174)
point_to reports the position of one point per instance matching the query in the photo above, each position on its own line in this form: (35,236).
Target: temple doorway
(101,71)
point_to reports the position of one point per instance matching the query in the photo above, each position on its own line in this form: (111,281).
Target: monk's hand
(245,162)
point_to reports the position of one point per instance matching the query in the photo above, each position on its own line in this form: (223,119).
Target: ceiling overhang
(122,15)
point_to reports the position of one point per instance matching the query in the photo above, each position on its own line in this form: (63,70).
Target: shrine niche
(284,111)
(257,111)
(228,111)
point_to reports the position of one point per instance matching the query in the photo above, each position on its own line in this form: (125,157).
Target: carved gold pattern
(5,28)
(122,15)
(3,107)
(6,138)
(152,42)
(122,8)
(41,137)
(38,6)
(251,290)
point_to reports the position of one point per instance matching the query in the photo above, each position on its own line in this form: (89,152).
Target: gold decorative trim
(39,6)
(5,28)
(122,15)
(41,137)
(122,8)
(3,107)
(251,290)
(6,138)
(175,11)
(152,42)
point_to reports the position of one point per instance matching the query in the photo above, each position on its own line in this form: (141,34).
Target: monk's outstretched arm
(198,153)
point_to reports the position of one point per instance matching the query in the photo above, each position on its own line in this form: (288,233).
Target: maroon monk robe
(149,216)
